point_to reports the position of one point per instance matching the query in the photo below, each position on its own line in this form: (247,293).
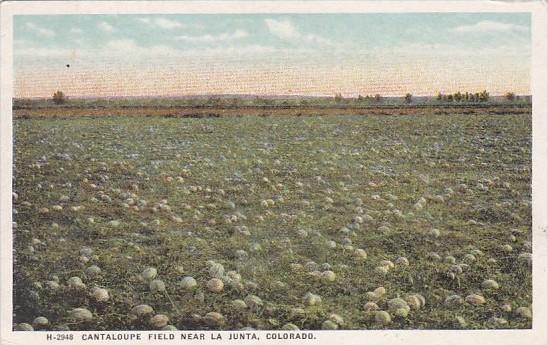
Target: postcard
(313,172)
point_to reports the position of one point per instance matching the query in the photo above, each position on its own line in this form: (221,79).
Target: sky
(271,54)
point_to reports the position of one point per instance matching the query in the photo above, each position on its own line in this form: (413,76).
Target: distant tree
(267,101)
(378,98)
(338,98)
(484,96)
(408,98)
(440,96)
(213,101)
(466,96)
(236,102)
(457,96)
(477,97)
(450,98)
(59,97)
(510,96)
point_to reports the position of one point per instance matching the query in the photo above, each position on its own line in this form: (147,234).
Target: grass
(389,162)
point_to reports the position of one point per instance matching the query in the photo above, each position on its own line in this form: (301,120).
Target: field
(134,110)
(348,222)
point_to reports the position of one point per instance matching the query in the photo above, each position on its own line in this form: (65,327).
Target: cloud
(145,20)
(490,26)
(208,38)
(130,47)
(42,32)
(123,50)
(284,29)
(42,52)
(118,49)
(428,53)
(121,45)
(76,31)
(106,27)
(167,24)
(162,23)
(316,39)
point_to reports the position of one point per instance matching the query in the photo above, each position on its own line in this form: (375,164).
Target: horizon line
(235,95)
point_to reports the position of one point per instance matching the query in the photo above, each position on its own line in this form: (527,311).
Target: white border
(539,86)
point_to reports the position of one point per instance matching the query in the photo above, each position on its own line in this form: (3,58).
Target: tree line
(482,96)
(467,97)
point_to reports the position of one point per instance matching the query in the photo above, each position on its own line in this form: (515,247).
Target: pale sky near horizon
(267,54)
